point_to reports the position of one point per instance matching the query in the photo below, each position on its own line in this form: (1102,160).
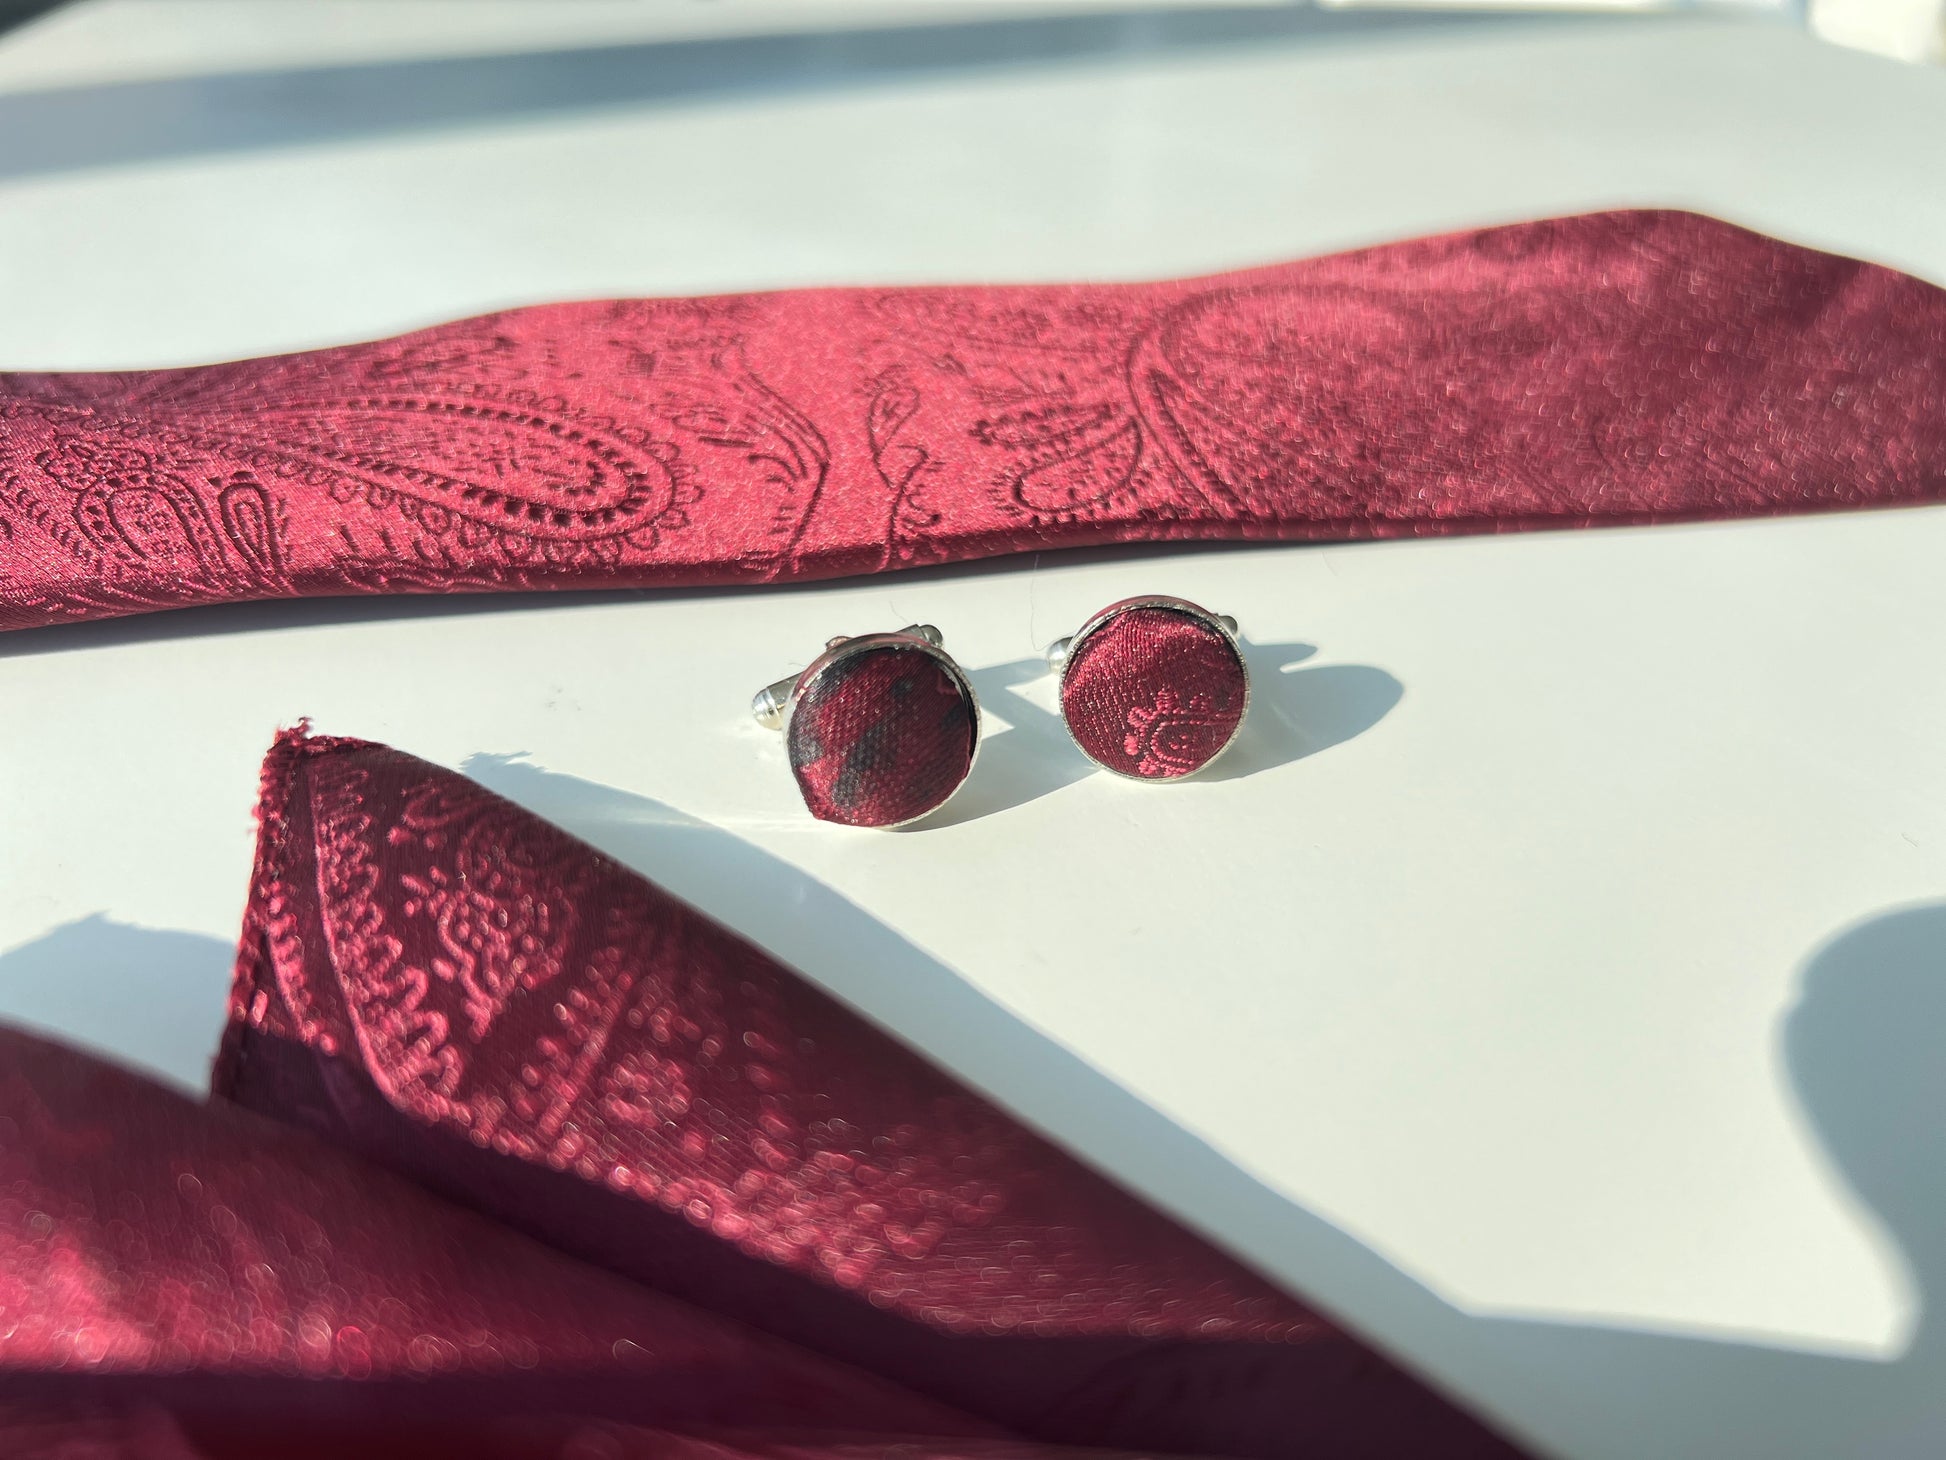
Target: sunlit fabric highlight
(446,984)
(1629,367)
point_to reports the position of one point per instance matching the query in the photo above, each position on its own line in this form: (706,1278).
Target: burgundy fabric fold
(1614,368)
(195,1278)
(106,1431)
(445,984)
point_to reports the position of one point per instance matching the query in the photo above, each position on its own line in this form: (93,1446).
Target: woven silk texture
(1614,368)
(194,1280)
(435,981)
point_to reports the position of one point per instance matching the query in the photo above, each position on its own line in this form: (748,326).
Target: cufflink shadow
(151,998)
(1031,758)
(1295,712)
(1298,711)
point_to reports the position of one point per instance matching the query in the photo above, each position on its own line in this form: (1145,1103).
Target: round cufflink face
(1153,688)
(881,731)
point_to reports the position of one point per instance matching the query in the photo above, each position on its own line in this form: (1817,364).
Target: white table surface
(1488,997)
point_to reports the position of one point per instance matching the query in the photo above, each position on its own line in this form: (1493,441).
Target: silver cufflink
(1153,688)
(880,730)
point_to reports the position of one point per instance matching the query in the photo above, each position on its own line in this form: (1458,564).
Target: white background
(1461,1000)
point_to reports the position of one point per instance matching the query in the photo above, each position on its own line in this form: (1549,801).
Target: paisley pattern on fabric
(1154,693)
(162,1255)
(881,737)
(1615,368)
(446,984)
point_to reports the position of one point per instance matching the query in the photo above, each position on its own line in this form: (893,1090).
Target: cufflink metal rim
(1061,657)
(775,704)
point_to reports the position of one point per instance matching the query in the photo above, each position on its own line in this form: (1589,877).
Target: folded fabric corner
(444,983)
(193,1278)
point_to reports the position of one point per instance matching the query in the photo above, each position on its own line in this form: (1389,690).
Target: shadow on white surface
(1029,759)
(59,130)
(1298,711)
(142,996)
(19,12)
(1862,1046)
(1294,712)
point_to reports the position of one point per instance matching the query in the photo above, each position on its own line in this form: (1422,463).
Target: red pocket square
(450,986)
(190,1275)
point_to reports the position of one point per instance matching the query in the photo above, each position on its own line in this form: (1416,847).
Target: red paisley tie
(1613,368)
